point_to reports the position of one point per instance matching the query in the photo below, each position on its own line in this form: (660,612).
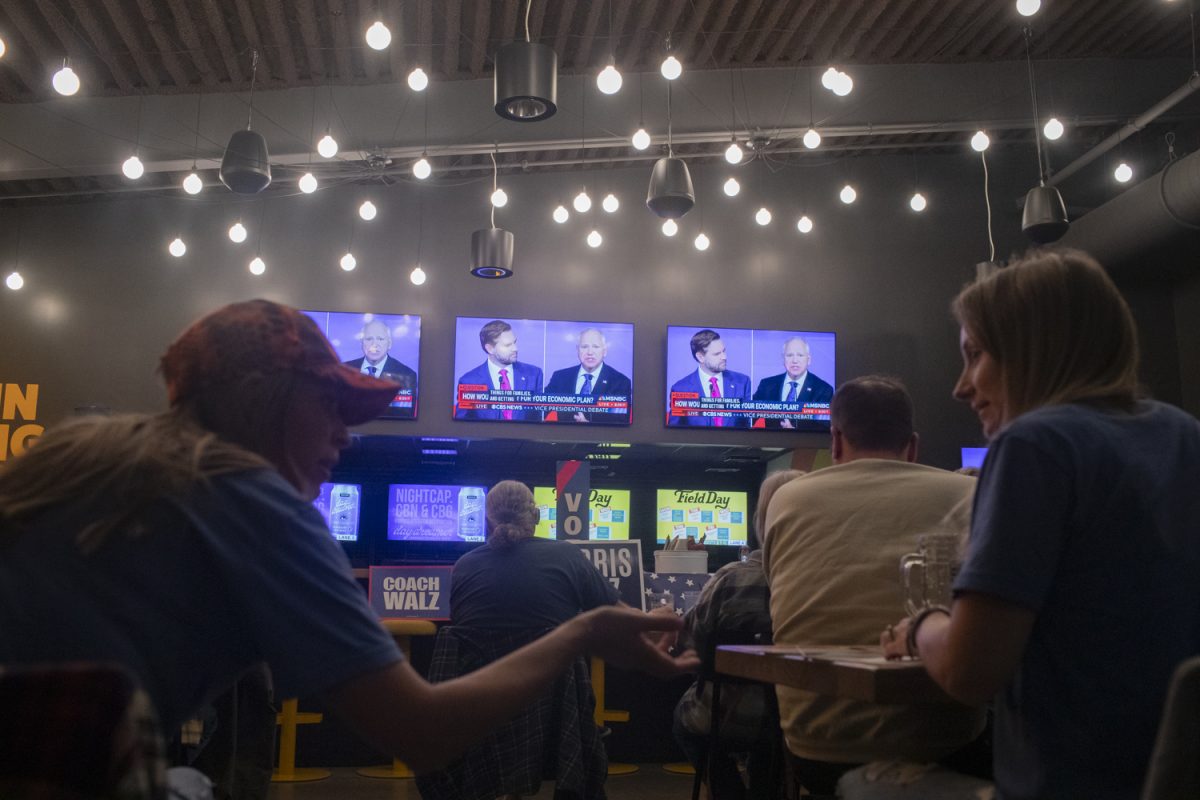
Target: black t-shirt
(535,583)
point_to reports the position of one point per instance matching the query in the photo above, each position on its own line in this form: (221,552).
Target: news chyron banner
(410,592)
(707,516)
(608,511)
(621,565)
(18,418)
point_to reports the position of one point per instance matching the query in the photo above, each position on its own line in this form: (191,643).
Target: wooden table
(853,672)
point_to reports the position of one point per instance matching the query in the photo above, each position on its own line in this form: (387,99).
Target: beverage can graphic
(470,513)
(343,512)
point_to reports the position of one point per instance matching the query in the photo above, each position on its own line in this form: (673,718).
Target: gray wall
(103,298)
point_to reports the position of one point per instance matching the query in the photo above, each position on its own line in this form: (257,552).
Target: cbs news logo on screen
(18,415)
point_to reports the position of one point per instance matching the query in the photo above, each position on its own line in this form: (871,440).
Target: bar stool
(288,720)
(401,630)
(604,715)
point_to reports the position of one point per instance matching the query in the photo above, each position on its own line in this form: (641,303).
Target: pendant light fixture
(526,79)
(246,167)
(1044,218)
(193,183)
(492,248)
(670,195)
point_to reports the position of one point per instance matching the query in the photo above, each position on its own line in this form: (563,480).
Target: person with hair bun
(518,581)
(1079,594)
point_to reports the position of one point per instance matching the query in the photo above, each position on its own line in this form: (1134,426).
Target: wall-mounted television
(716,516)
(743,378)
(530,370)
(608,513)
(341,506)
(973,456)
(436,513)
(383,345)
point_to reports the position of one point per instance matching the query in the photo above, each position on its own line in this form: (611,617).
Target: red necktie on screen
(504,387)
(715,391)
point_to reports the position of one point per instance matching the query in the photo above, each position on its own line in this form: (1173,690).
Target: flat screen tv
(973,456)
(341,506)
(743,378)
(532,370)
(715,516)
(383,345)
(608,512)
(436,513)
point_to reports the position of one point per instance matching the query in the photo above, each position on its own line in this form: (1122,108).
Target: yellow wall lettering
(16,401)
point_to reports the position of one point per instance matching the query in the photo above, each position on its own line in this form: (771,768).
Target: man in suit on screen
(712,380)
(795,385)
(591,376)
(377,362)
(501,372)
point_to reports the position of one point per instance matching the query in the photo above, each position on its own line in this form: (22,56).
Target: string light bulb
(378,36)
(609,80)
(980,141)
(422,169)
(804,224)
(192,183)
(177,247)
(3,48)
(1123,173)
(917,202)
(237,233)
(65,81)
(594,239)
(641,139)
(499,198)
(763,216)
(561,214)
(367,211)
(307,183)
(328,146)
(812,139)
(1053,129)
(14,281)
(731,187)
(733,153)
(843,85)
(848,195)
(417,276)
(418,80)
(610,203)
(670,227)
(671,68)
(701,242)
(1027,8)
(257,266)
(829,78)
(348,262)
(133,168)
(582,202)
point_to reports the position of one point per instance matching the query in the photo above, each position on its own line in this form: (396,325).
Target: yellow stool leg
(401,630)
(679,768)
(289,719)
(603,715)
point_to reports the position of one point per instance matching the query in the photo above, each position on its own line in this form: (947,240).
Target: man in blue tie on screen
(591,377)
(376,362)
(712,380)
(501,372)
(795,385)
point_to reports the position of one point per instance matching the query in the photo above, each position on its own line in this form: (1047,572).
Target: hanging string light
(192,184)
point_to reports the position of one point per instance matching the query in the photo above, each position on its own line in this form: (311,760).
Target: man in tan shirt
(835,538)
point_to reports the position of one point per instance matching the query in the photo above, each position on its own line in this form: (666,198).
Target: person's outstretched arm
(427,725)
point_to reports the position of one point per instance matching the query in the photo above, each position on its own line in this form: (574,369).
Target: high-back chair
(554,738)
(763,784)
(1174,772)
(78,730)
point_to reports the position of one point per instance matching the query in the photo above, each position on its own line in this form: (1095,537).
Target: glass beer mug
(927,575)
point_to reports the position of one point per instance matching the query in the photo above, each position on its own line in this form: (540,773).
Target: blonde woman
(1079,593)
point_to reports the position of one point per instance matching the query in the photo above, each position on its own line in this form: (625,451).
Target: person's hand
(631,639)
(894,639)
(580,416)
(787,423)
